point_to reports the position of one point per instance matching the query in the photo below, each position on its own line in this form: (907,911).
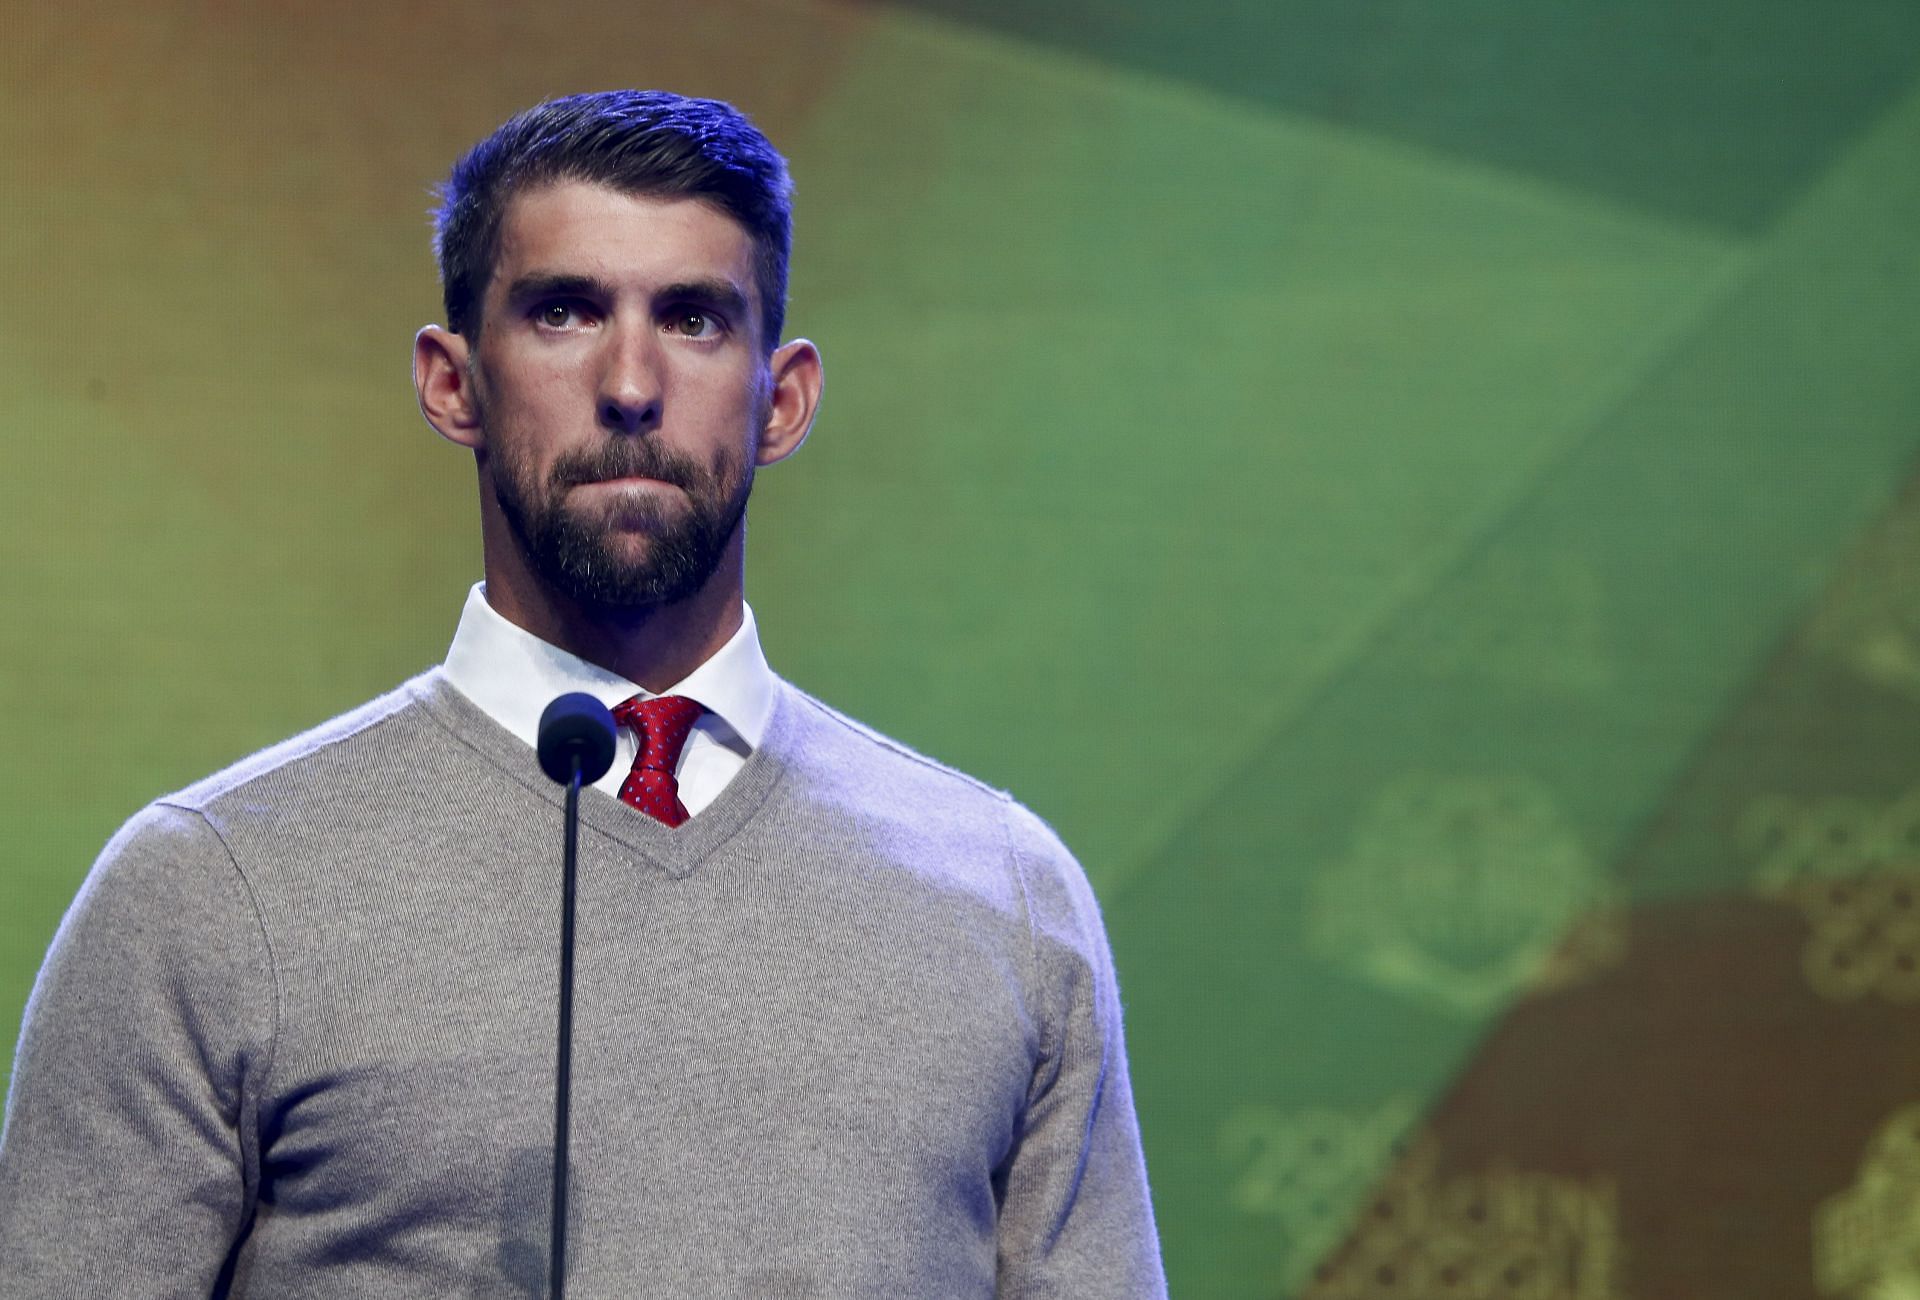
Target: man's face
(621,387)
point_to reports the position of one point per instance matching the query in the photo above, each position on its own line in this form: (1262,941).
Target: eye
(693,323)
(561,314)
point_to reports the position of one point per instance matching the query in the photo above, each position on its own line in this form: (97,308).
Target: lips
(628,478)
(608,475)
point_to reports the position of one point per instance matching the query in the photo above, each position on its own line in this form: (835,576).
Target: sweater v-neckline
(675,851)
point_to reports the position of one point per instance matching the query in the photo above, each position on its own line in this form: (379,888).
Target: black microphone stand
(563,1071)
(576,745)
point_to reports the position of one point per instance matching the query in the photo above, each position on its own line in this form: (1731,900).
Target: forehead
(629,240)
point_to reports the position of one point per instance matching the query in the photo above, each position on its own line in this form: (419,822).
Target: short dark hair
(642,142)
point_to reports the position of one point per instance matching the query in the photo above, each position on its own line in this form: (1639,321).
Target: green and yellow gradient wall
(1421,494)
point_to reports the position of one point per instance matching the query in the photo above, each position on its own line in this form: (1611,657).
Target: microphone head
(576,724)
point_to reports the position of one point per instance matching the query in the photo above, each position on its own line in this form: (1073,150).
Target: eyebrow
(722,296)
(549,284)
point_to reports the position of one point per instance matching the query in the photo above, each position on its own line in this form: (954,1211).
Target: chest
(744,1036)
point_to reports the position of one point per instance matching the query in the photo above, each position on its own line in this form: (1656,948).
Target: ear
(797,381)
(445,386)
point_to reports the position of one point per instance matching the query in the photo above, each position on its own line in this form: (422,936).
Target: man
(845,1020)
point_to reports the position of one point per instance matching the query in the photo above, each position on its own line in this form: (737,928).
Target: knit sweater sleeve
(129,1158)
(1076,1219)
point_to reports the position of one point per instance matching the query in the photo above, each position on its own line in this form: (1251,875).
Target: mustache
(627,458)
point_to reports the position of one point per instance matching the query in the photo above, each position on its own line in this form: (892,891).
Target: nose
(629,397)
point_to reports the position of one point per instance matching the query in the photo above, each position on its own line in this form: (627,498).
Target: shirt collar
(511,674)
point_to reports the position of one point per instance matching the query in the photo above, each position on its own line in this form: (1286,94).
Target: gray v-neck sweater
(850,1031)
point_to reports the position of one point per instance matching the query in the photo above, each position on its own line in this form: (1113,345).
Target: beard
(576,552)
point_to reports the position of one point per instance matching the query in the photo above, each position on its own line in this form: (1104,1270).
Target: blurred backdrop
(1421,495)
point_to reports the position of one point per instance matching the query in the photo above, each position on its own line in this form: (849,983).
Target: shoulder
(877,781)
(283,813)
(853,740)
(164,913)
(178,847)
(349,737)
(162,857)
(1060,900)
(854,786)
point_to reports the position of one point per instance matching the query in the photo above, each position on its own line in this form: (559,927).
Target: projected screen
(1420,496)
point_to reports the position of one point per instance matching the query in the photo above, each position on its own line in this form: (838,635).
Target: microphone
(576,747)
(576,725)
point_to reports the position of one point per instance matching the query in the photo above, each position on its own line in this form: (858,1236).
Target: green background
(1421,495)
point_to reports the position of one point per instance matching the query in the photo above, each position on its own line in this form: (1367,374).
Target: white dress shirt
(512,675)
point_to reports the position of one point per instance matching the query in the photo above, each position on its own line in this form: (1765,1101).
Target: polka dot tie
(662,724)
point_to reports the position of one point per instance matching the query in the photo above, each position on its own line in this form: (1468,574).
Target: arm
(1075,1216)
(129,1158)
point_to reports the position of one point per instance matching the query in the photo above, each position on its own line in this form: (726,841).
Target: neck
(655,647)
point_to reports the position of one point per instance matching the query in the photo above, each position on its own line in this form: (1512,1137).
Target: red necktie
(662,724)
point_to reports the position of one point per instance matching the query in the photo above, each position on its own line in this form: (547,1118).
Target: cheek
(530,412)
(734,404)
(521,378)
(549,391)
